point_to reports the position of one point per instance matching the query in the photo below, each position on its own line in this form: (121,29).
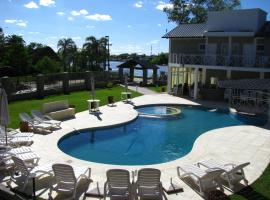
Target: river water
(162,68)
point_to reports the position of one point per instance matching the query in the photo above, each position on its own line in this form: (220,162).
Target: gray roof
(187,31)
(132,63)
(246,84)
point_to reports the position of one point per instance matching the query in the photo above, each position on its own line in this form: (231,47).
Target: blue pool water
(148,140)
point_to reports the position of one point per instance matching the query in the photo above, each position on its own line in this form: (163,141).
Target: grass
(259,190)
(157,88)
(75,98)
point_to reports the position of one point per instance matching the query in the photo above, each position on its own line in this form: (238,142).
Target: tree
(2,46)
(195,11)
(66,48)
(47,65)
(16,54)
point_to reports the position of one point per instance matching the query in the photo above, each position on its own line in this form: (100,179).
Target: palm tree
(66,48)
(103,54)
(91,48)
(96,51)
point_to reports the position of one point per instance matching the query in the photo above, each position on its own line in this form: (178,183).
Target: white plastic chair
(34,124)
(23,173)
(38,116)
(118,184)
(6,160)
(206,180)
(148,184)
(67,179)
(231,173)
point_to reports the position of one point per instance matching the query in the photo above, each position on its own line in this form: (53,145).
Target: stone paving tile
(231,144)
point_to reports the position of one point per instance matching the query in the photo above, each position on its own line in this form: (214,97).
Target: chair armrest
(48,117)
(185,173)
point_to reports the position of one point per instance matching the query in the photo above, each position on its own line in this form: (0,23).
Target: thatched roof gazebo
(143,65)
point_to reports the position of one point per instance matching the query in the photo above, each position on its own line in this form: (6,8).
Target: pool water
(149,140)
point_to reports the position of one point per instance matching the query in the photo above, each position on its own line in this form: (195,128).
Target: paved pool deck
(235,144)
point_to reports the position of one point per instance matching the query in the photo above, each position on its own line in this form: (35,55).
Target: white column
(228,74)
(206,45)
(229,49)
(169,79)
(261,75)
(196,73)
(203,76)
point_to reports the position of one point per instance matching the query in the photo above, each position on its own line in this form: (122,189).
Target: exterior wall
(236,20)
(266,42)
(186,46)
(245,75)
(267,75)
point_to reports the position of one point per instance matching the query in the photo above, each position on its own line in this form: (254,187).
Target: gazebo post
(144,76)
(131,74)
(121,73)
(154,76)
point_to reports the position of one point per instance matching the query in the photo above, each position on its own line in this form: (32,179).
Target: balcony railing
(220,60)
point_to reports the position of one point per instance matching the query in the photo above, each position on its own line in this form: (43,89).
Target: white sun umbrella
(4,115)
(126,82)
(93,86)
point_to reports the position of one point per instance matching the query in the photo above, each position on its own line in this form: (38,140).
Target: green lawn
(76,98)
(157,88)
(259,190)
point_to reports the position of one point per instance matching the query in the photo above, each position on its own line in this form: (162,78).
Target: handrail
(220,60)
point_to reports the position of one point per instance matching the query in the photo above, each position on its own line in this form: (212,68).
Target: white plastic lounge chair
(38,116)
(18,150)
(7,162)
(148,184)
(232,173)
(16,141)
(23,174)
(67,179)
(15,133)
(34,124)
(118,184)
(206,180)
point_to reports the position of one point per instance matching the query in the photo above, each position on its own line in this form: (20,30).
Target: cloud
(17,22)
(78,13)
(47,2)
(22,24)
(87,26)
(33,33)
(76,38)
(99,17)
(60,13)
(10,21)
(159,25)
(152,42)
(129,26)
(70,18)
(161,5)
(53,37)
(138,4)
(31,5)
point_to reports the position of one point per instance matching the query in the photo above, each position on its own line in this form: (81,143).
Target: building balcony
(220,60)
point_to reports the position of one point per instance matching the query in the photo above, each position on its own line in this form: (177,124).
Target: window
(202,47)
(260,48)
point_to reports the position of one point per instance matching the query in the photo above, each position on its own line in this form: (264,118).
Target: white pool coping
(231,144)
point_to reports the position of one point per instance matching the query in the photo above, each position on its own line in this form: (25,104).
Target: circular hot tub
(159,111)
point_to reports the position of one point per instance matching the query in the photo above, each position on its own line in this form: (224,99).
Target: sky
(134,26)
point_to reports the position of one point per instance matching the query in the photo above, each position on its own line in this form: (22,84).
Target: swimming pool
(149,140)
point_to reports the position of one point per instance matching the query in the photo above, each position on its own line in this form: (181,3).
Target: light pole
(108,60)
